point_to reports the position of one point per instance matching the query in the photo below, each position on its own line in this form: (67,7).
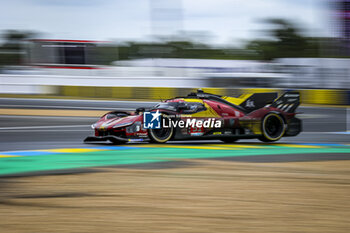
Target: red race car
(203,116)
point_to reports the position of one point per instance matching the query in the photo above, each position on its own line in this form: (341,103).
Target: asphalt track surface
(320,124)
(324,136)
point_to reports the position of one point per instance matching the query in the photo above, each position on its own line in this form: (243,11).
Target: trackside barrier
(308,96)
(337,97)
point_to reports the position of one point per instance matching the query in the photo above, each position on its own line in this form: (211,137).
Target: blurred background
(48,47)
(65,63)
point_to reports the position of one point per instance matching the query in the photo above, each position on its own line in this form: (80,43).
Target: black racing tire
(161,135)
(229,140)
(272,128)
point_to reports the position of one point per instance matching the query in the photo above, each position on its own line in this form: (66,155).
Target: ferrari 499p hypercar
(203,116)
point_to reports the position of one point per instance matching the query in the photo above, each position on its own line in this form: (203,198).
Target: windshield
(168,106)
(185,107)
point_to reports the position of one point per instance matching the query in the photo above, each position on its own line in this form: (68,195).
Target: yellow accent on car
(237,101)
(193,100)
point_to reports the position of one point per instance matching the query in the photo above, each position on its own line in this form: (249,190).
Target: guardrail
(153,88)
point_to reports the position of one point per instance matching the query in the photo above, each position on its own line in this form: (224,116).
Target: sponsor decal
(250,104)
(197,134)
(142,135)
(136,140)
(291,95)
(195,131)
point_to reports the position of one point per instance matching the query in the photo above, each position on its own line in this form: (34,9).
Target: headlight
(134,128)
(93,126)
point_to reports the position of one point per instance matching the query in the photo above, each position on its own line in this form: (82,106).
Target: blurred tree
(104,55)
(11,51)
(178,49)
(287,41)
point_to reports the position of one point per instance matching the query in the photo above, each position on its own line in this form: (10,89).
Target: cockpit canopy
(183,107)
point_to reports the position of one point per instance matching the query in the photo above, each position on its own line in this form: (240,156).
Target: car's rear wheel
(273,128)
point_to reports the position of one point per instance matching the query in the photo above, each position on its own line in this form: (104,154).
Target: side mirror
(138,110)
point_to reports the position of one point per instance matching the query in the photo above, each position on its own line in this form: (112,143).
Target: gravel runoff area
(202,196)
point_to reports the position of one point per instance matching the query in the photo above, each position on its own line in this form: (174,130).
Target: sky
(213,21)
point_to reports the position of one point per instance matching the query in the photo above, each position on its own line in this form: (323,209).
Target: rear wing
(288,102)
(258,100)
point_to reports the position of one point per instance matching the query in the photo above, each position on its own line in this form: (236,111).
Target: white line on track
(61,107)
(312,116)
(42,127)
(48,117)
(78,100)
(45,130)
(339,132)
(346,132)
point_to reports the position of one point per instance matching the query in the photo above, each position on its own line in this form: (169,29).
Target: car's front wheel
(273,128)
(161,135)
